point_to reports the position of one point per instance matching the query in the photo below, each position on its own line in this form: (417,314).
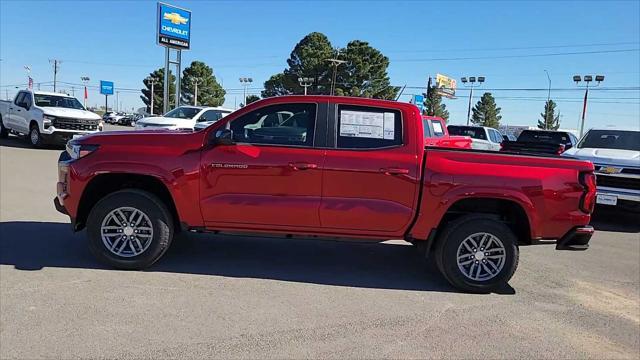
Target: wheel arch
(104,184)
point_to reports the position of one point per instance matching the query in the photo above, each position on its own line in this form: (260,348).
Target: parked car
(436,134)
(183,118)
(616,157)
(107,115)
(47,118)
(508,137)
(541,141)
(338,167)
(482,138)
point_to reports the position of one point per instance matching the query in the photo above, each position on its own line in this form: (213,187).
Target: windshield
(611,139)
(552,137)
(473,132)
(58,101)
(183,113)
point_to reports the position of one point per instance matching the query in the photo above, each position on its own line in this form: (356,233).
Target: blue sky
(115,40)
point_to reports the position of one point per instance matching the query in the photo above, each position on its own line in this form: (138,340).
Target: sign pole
(106,103)
(165,105)
(178,75)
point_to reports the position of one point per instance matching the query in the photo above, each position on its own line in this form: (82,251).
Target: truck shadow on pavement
(14,141)
(36,245)
(614,219)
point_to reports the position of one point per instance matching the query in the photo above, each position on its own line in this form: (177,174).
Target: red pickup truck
(323,166)
(437,134)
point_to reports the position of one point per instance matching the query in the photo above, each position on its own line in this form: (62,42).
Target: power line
(519,56)
(517,48)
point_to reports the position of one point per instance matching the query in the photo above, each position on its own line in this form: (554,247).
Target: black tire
(451,238)
(4,132)
(158,214)
(35,139)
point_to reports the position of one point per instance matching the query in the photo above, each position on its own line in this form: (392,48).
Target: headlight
(77,151)
(48,117)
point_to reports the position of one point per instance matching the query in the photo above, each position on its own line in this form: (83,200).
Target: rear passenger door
(371,172)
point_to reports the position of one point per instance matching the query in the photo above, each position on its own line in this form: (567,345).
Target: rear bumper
(576,239)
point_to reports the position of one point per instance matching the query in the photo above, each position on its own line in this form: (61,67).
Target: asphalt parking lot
(255,297)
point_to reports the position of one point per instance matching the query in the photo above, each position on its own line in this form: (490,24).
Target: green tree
(157,77)
(276,86)
(252,98)
(550,121)
(365,72)
(485,112)
(433,105)
(210,93)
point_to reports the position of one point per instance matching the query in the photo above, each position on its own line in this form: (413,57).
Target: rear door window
(364,127)
(438,131)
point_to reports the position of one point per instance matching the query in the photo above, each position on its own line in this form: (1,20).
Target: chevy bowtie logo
(175,18)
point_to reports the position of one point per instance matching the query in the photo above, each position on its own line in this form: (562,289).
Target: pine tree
(486,113)
(210,93)
(158,89)
(550,121)
(433,105)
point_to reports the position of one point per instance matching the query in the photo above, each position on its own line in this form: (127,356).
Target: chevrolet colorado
(335,167)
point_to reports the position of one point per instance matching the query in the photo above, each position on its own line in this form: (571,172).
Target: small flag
(86,95)
(30,83)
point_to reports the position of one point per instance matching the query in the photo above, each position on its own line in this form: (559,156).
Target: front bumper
(61,209)
(576,239)
(621,194)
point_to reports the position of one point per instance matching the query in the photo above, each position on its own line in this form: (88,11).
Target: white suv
(482,138)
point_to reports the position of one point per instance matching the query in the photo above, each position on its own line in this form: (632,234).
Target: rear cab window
(438,129)
(364,127)
(471,131)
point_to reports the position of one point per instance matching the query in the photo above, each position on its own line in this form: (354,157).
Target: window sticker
(389,126)
(364,124)
(437,128)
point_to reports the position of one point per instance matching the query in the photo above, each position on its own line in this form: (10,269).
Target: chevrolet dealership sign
(174,26)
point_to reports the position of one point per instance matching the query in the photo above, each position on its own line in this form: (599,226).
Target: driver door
(270,176)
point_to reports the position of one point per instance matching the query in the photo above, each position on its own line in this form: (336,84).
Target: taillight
(588,200)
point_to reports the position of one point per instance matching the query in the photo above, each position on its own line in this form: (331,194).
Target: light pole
(245,83)
(587,79)
(152,81)
(334,63)
(27,68)
(117,101)
(195,97)
(85,80)
(305,82)
(548,99)
(471,83)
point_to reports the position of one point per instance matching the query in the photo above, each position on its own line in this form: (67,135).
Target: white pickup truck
(183,118)
(615,154)
(482,137)
(46,117)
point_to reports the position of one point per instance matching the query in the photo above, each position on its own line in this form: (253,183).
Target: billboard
(174,26)
(446,86)
(106,87)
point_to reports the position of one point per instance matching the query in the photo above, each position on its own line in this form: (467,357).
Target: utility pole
(56,67)
(117,101)
(305,82)
(587,79)
(245,82)
(548,99)
(152,95)
(73,91)
(472,83)
(334,63)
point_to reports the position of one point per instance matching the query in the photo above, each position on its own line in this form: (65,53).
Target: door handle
(394,171)
(302,166)
(10,108)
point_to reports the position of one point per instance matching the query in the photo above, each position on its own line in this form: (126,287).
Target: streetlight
(305,82)
(85,80)
(245,83)
(587,79)
(471,83)
(195,97)
(152,81)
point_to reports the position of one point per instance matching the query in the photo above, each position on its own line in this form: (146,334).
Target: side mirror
(222,137)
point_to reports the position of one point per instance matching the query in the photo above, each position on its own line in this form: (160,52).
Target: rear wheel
(4,132)
(129,229)
(477,254)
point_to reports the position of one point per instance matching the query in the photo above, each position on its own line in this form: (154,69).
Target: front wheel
(34,136)
(477,254)
(129,229)
(4,132)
